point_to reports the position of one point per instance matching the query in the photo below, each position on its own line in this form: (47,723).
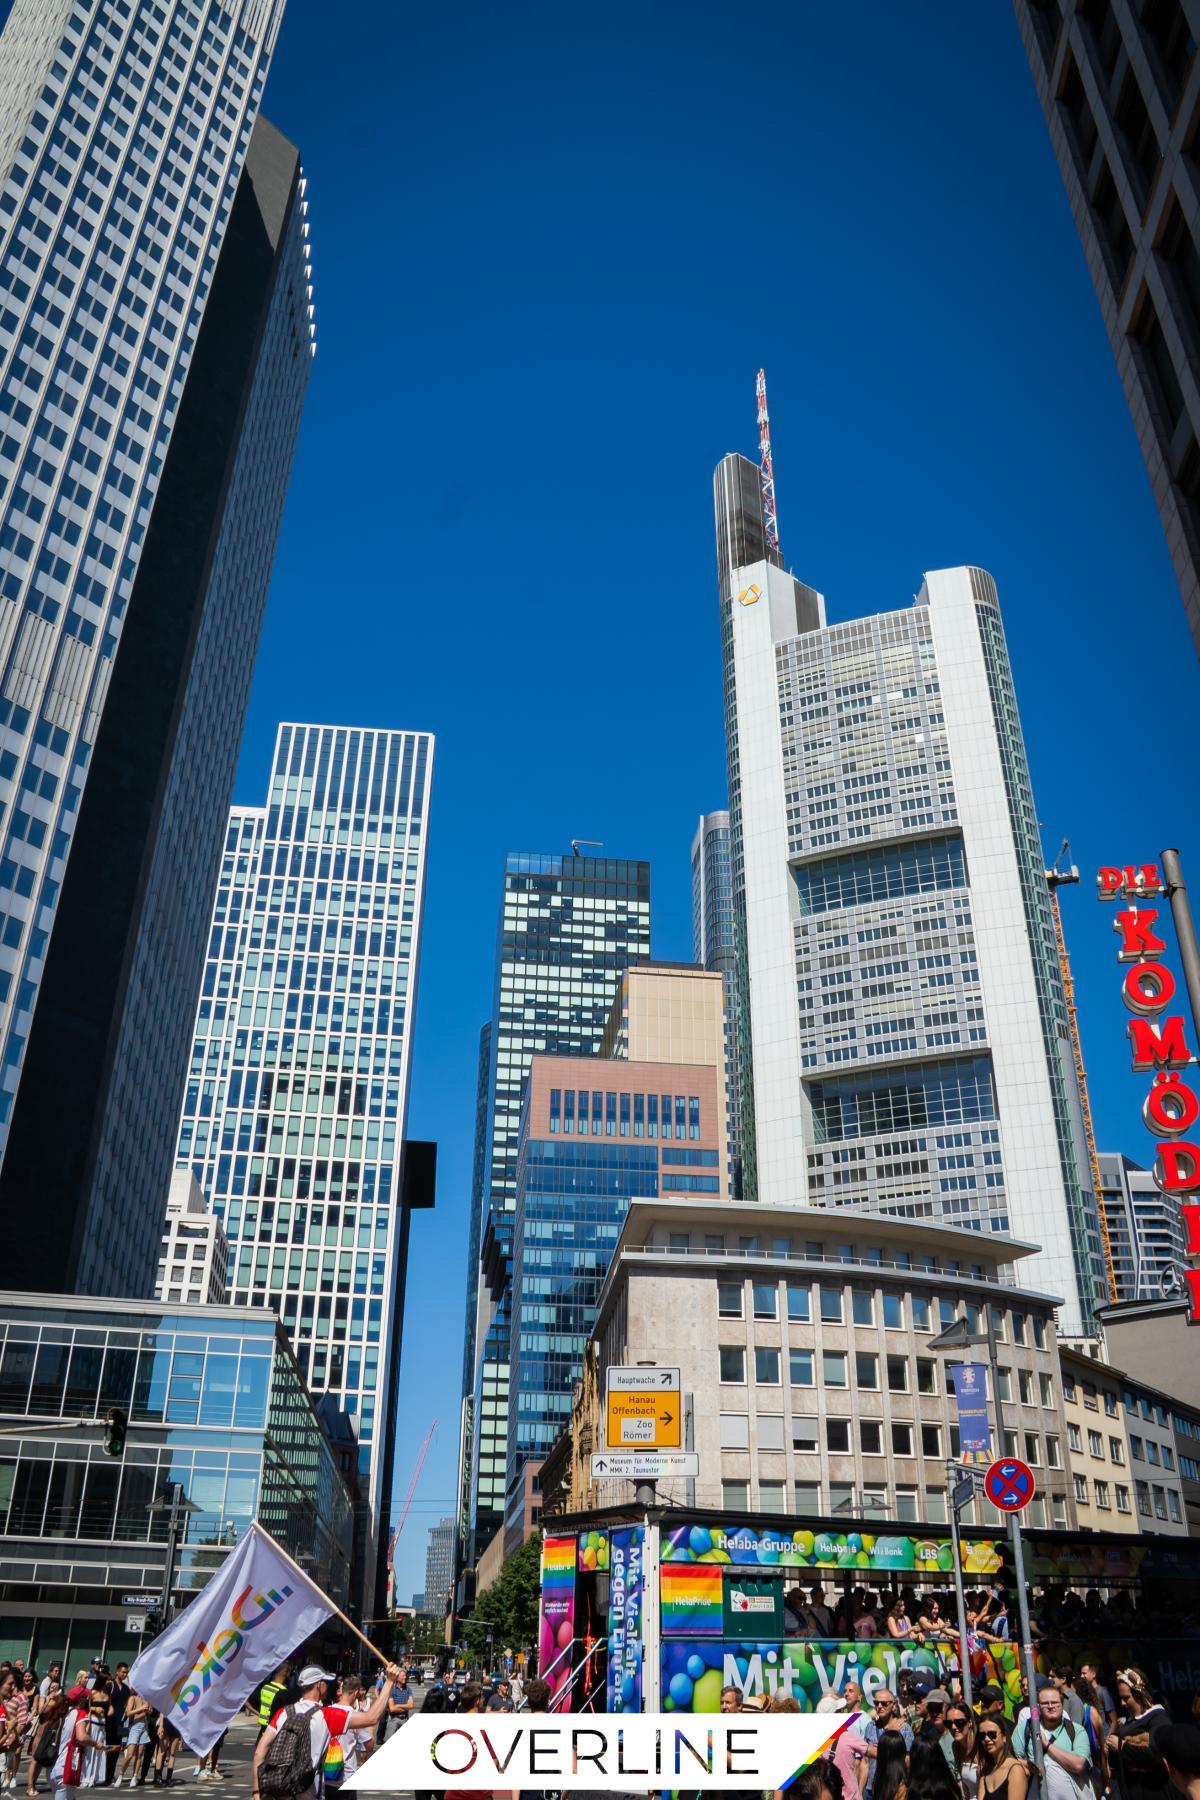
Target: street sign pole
(1035,1716)
(964,1653)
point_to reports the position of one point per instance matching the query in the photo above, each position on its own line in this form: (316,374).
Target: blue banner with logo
(625,1621)
(974,1427)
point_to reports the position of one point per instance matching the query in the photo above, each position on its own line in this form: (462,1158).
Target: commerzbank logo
(750,594)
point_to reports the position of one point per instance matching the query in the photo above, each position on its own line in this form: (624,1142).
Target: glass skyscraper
(569,927)
(715,948)
(293,1119)
(911,1052)
(155,343)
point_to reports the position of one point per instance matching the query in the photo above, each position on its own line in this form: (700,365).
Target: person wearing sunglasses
(1001,1775)
(960,1723)
(887,1720)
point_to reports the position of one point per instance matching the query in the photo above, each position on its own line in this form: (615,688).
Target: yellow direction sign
(643,1407)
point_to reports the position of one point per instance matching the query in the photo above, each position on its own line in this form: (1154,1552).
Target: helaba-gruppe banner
(625,1621)
(803,1549)
(254,1612)
(636,1752)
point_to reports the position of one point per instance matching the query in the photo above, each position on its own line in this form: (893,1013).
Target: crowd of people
(924,1742)
(929,1616)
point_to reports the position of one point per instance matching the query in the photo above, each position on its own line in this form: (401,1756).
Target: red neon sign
(1159,1046)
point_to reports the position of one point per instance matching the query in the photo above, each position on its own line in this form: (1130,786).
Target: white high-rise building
(195,1251)
(1145,1231)
(909,1039)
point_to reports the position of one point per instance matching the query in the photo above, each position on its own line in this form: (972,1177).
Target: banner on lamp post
(974,1426)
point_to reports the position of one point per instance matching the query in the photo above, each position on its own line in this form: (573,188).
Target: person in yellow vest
(268,1697)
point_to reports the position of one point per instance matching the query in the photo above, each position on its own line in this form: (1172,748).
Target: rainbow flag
(691,1599)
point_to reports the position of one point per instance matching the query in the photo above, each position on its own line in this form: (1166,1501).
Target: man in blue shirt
(886,1717)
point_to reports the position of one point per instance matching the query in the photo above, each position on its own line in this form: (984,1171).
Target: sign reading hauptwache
(1158,1039)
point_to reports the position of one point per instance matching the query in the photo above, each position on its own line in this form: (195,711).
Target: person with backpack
(297,1757)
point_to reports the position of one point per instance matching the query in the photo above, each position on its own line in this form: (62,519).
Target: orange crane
(1063,873)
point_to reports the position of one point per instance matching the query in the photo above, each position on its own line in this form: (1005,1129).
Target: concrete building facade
(714,947)
(1120,87)
(907,1022)
(803,1341)
(194,1263)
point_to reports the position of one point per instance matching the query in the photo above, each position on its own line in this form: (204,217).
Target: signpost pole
(651,1616)
(1035,1716)
(964,1654)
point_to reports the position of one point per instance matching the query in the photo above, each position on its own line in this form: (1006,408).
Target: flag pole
(308,1580)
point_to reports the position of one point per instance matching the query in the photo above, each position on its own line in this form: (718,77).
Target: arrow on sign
(666,1418)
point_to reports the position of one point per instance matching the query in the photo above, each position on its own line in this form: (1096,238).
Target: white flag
(254,1612)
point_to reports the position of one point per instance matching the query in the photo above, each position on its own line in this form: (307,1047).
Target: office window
(1081,1489)
(841,1497)
(996,1314)
(771,1497)
(897,1374)
(735,1431)
(1160,1502)
(862,1307)
(931,1440)
(1019,1327)
(1142,1489)
(1039,1333)
(1152,1452)
(1046,1390)
(804,1434)
(555,1108)
(833,1364)
(769,1428)
(1173,1504)
(902,1439)
(1004,1382)
(610,1115)
(714,1240)
(893,1312)
(831,1305)
(693,1116)
(624,1115)
(870,1436)
(735,1494)
(799,1302)
(936,1507)
(1090,1396)
(800,1365)
(1025,1386)
(680,1240)
(729,1299)
(1168,1456)
(837,1434)
(866,1369)
(1033,1452)
(1123,1505)
(1053,1452)
(733,1362)
(766,1366)
(666,1117)
(808,1497)
(1074,1436)
(639,1115)
(766,1300)
(920,1313)
(1010,1443)
(906,1504)
(651,1116)
(1103,1496)
(1110,1403)
(1095,1444)
(926,1375)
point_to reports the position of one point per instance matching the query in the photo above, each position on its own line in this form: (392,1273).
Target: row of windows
(924,1096)
(900,1504)
(863,876)
(573,1111)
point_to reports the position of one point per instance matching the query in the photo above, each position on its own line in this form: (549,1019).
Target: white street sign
(642,1381)
(644,1465)
(135,1624)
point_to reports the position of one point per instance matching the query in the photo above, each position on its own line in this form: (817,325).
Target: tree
(510,1605)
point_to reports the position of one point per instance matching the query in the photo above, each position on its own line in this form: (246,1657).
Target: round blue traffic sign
(1008,1484)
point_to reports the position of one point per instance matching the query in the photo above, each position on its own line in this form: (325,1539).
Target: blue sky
(552,247)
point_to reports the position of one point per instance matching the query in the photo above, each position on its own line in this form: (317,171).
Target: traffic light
(153,1623)
(116,1424)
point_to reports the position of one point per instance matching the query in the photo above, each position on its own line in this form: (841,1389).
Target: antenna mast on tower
(766,466)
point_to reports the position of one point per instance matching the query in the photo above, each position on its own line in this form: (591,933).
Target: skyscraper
(1119,90)
(154,353)
(293,1119)
(644,1118)
(1145,1231)
(714,947)
(569,927)
(911,1052)
(439,1569)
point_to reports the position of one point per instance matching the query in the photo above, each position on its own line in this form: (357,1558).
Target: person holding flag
(332,1750)
(257,1608)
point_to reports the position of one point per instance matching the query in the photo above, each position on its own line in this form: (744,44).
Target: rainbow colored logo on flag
(691,1599)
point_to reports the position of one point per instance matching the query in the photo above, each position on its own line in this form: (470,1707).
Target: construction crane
(1063,873)
(412,1486)
(766,467)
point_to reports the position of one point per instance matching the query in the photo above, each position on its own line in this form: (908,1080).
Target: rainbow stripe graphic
(691,1599)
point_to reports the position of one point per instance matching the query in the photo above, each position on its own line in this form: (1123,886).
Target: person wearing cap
(930,1727)
(327,1724)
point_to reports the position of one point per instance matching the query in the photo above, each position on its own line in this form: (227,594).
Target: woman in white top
(84,1726)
